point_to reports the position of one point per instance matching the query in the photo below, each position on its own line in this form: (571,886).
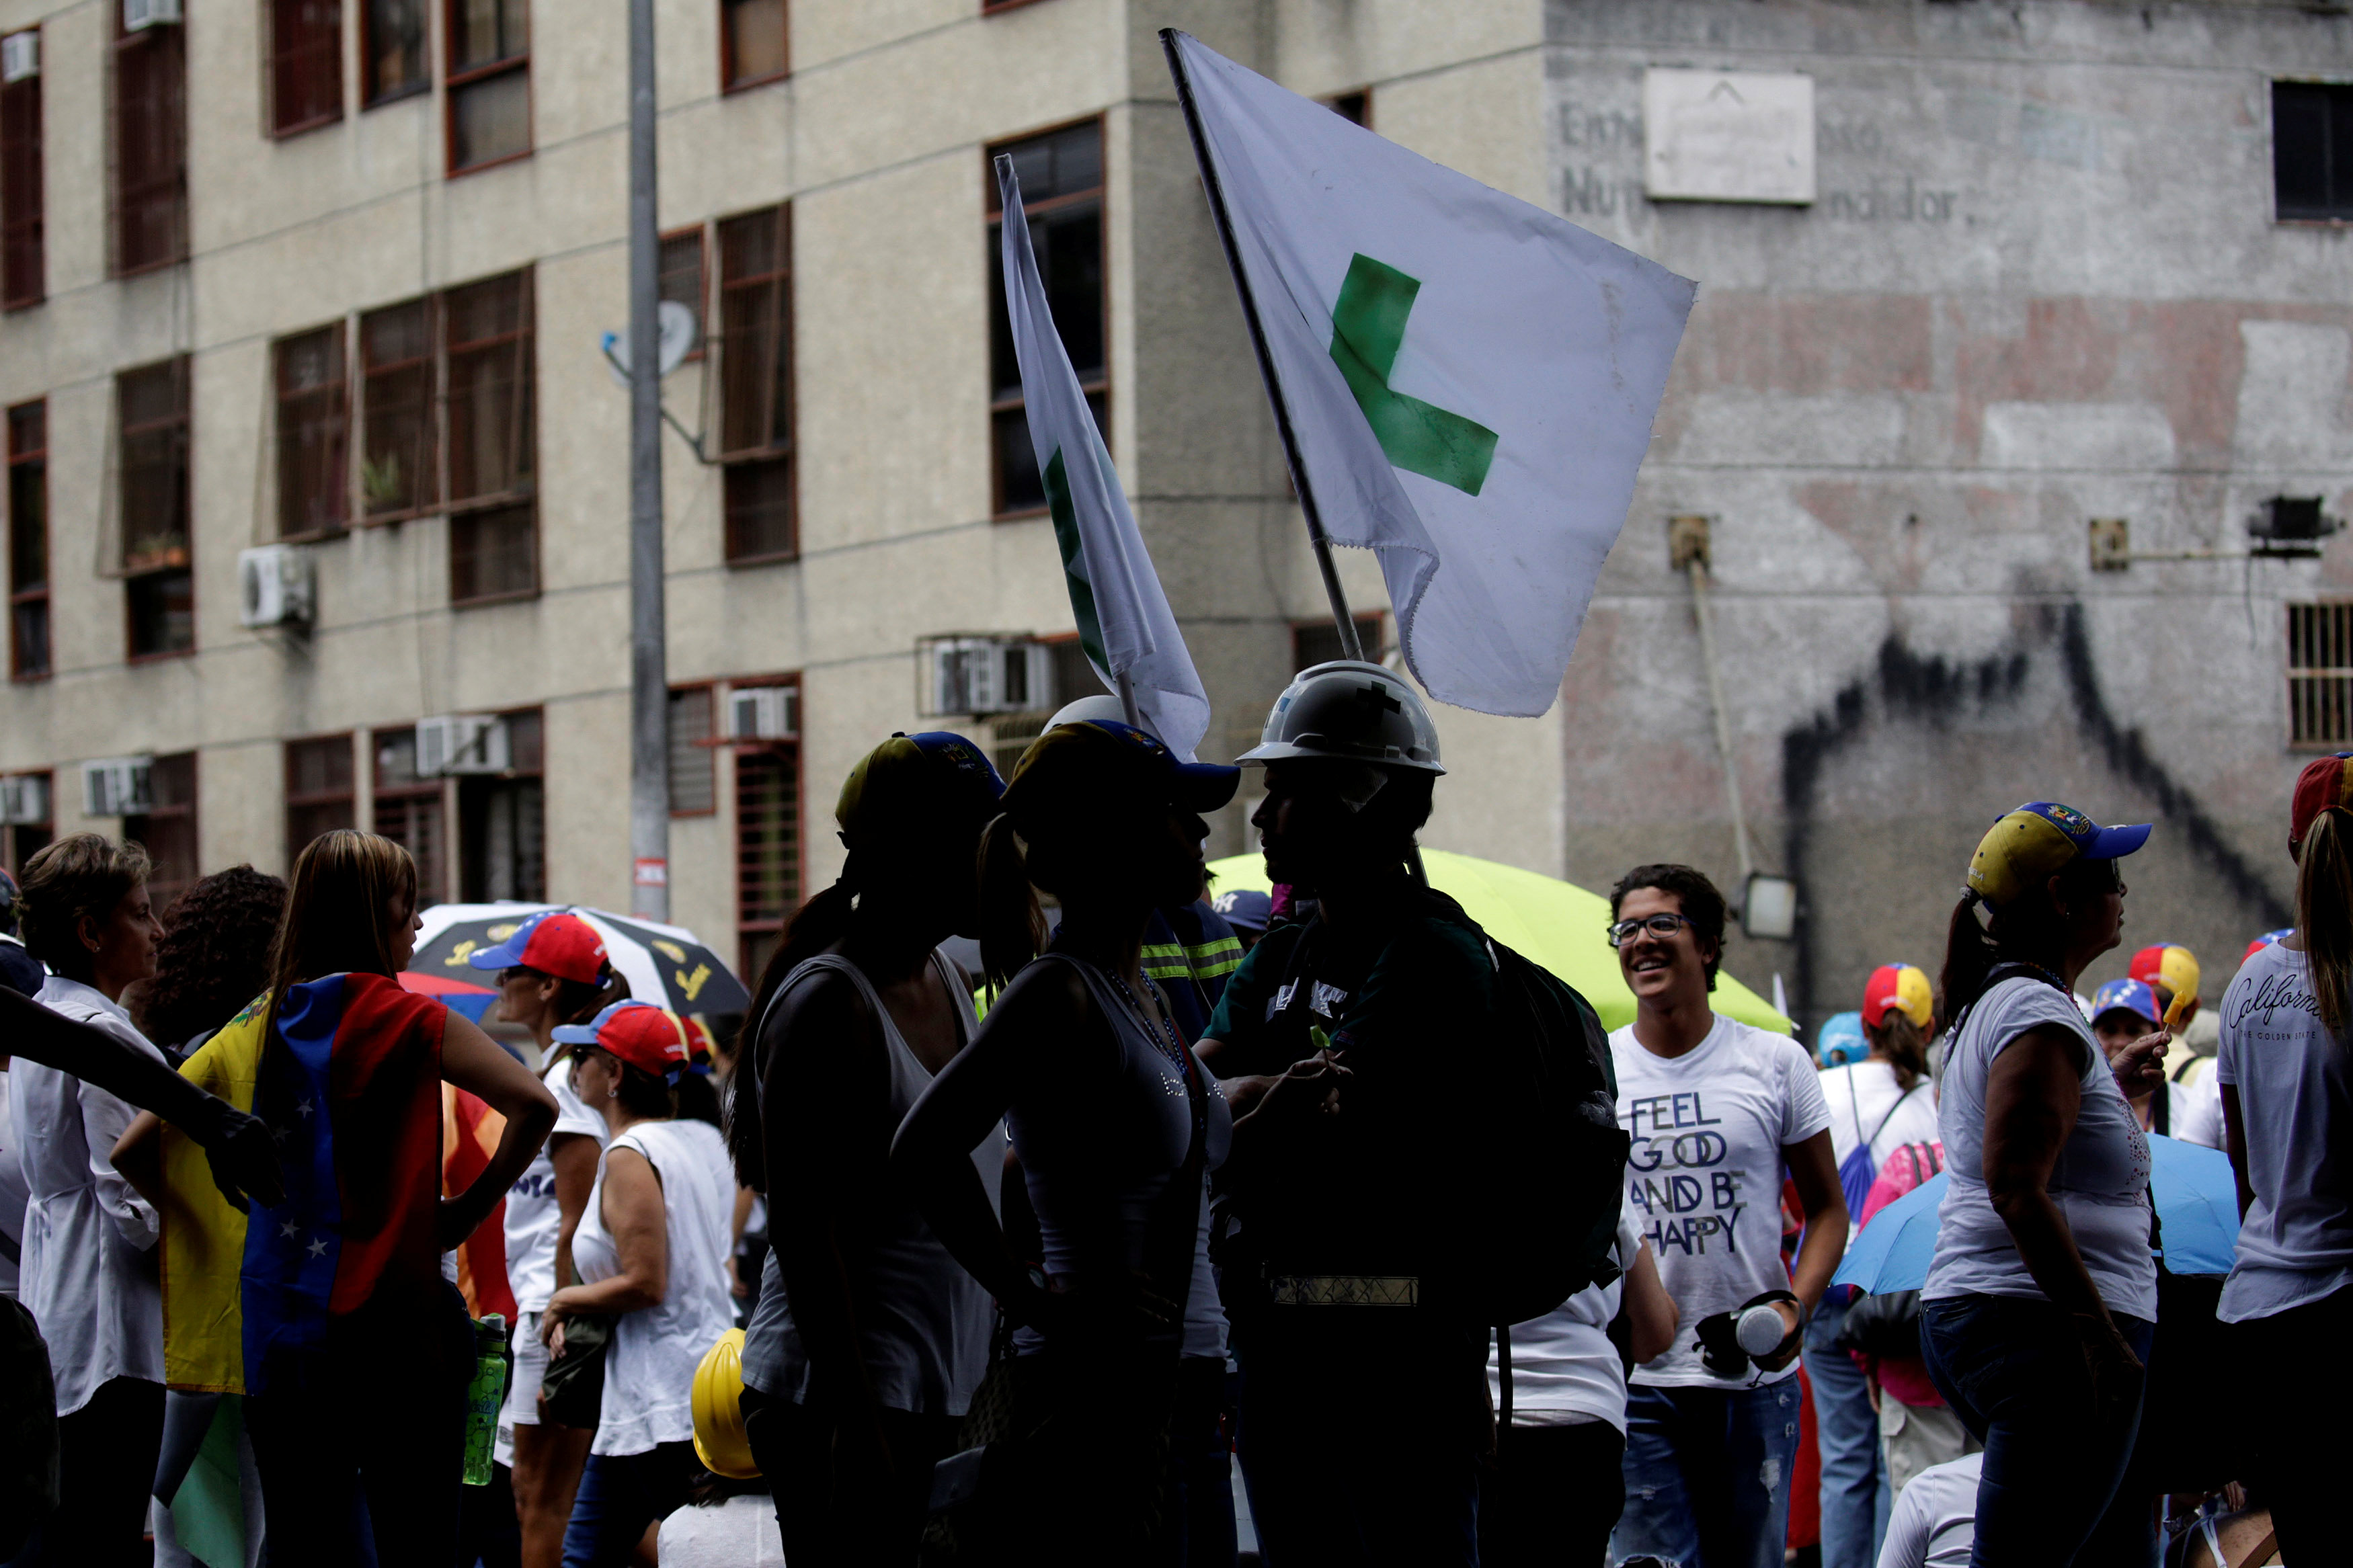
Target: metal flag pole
(1127,700)
(1349,645)
(648,662)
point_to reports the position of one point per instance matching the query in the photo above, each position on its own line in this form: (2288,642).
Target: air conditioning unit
(25,798)
(20,55)
(461,743)
(140,14)
(116,787)
(763,713)
(277,585)
(985,675)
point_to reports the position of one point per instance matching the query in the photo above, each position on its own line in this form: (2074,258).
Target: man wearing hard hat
(1362,1419)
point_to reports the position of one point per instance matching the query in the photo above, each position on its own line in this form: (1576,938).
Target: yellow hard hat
(719,1439)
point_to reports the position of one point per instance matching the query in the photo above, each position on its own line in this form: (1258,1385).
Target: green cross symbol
(1368,329)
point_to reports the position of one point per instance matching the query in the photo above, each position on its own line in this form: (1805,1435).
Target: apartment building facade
(334,276)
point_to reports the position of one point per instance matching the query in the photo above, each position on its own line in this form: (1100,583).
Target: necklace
(1170,1046)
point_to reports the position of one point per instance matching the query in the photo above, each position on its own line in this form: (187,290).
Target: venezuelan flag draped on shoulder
(1471,380)
(243,1291)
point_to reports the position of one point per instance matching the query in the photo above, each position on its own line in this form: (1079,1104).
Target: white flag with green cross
(1124,622)
(1471,380)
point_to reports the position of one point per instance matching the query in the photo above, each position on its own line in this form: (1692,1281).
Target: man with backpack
(1382,1060)
(1718,1111)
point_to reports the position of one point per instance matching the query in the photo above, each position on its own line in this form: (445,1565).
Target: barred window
(168,828)
(306,64)
(314,430)
(693,753)
(319,790)
(2320,674)
(767,847)
(22,268)
(412,812)
(755,383)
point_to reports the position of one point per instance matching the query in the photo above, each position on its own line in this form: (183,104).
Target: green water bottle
(485,1392)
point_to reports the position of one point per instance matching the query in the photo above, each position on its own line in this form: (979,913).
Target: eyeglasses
(1661,925)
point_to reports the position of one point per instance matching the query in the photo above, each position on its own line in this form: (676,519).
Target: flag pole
(1349,645)
(1127,700)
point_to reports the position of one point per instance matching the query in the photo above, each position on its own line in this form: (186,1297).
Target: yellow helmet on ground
(719,1439)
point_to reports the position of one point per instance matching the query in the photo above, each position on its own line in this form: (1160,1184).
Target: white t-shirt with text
(2296,1105)
(2099,1181)
(534,1221)
(1703,1177)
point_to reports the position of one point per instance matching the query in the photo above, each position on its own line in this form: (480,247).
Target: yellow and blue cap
(2030,846)
(912,773)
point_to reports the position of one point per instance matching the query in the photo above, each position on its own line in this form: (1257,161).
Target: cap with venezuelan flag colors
(2030,846)
(2168,964)
(2325,784)
(1900,986)
(2132,996)
(551,941)
(2265,941)
(1075,771)
(911,774)
(652,1039)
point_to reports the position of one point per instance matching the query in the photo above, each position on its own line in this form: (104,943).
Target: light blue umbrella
(2196,1205)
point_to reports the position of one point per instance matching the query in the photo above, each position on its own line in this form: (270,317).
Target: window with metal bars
(753,46)
(412,812)
(22,268)
(152,419)
(168,827)
(306,65)
(502,820)
(29,540)
(693,752)
(489,84)
(150,147)
(755,384)
(1063,191)
(767,847)
(2320,674)
(313,433)
(321,790)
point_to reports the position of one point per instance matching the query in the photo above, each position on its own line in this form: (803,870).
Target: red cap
(1899,986)
(551,941)
(699,1043)
(2326,783)
(651,1038)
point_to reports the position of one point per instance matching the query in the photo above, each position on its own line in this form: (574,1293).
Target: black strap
(1504,1360)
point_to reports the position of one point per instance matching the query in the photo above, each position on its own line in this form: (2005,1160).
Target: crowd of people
(1162,1188)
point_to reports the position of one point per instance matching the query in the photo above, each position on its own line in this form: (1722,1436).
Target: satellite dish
(675,323)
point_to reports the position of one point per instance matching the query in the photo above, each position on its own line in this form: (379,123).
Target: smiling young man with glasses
(1718,1111)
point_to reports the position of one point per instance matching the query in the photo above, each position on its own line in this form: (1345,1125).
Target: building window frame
(693,750)
(1098,387)
(748,464)
(409,796)
(313,415)
(415,87)
(457,78)
(20,841)
(513,507)
(2319,670)
(27,597)
(997,8)
(307,795)
(2334,100)
(164,44)
(174,784)
(701,303)
(288,59)
(24,224)
(474,794)
(152,571)
(757,935)
(728,81)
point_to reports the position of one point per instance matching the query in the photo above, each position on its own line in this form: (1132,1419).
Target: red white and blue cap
(652,1039)
(552,942)
(2133,996)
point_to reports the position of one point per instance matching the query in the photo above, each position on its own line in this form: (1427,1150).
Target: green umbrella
(1556,924)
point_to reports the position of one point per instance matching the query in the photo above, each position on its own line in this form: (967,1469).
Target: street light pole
(648,659)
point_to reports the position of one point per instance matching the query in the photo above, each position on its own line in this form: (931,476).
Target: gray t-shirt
(2100,1181)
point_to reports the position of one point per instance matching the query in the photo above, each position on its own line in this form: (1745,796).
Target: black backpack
(1526,1200)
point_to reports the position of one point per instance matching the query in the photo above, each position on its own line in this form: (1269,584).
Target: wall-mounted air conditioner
(20,55)
(984,675)
(25,798)
(763,713)
(116,787)
(138,14)
(461,743)
(277,585)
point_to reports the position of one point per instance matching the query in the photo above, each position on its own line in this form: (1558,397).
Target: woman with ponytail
(553,971)
(1116,1122)
(2041,1304)
(868,1338)
(2287,1115)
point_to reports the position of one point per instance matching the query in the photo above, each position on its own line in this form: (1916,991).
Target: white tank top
(924,1323)
(1098,1148)
(650,1366)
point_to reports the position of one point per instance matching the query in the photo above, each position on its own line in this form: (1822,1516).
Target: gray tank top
(923,1322)
(1098,1148)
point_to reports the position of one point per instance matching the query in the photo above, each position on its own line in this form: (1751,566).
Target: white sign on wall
(1727,136)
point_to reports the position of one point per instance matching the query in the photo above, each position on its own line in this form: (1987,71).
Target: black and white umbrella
(667,966)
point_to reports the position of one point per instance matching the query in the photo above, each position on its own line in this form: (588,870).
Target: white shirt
(649,1365)
(738,1534)
(2099,1183)
(533,1223)
(2198,1106)
(2296,1105)
(1565,1371)
(88,1274)
(13,1195)
(1864,1102)
(1935,1522)
(1704,1173)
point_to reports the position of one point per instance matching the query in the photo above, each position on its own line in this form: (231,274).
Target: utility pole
(648,656)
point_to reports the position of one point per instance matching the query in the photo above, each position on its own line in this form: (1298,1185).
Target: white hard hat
(1352,711)
(1102,708)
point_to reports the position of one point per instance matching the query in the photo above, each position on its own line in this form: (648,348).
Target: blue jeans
(2013,1372)
(620,1495)
(1707,1475)
(1855,1493)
